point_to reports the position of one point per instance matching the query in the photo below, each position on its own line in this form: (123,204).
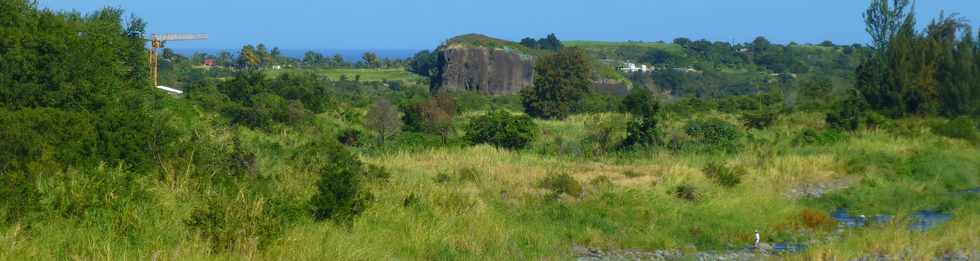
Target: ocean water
(348,54)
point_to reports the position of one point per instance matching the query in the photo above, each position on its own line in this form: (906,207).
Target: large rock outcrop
(488,70)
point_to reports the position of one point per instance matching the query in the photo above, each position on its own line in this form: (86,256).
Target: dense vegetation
(258,163)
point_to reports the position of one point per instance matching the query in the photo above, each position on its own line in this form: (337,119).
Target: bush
(723,175)
(501,129)
(714,135)
(643,132)
(350,137)
(847,115)
(686,192)
(341,194)
(601,135)
(810,136)
(237,220)
(562,184)
(18,196)
(817,220)
(465,174)
(760,119)
(640,103)
(959,128)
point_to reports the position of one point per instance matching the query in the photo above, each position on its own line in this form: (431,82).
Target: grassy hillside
(478,202)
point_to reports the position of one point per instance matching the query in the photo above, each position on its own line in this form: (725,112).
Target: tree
(247,57)
(312,58)
(384,119)
(560,82)
(275,54)
(643,129)
(424,63)
(262,53)
(640,103)
(883,20)
(682,41)
(438,114)
(529,43)
(501,129)
(550,42)
(371,60)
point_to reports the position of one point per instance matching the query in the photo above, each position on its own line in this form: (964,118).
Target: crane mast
(158,41)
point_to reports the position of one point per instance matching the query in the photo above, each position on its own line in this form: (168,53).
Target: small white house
(171,91)
(277,67)
(632,67)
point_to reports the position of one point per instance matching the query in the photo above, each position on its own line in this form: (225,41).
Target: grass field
(368,75)
(480,203)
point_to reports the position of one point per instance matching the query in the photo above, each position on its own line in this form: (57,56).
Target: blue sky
(423,24)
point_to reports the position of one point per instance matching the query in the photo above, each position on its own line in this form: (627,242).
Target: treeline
(550,42)
(75,91)
(85,140)
(911,72)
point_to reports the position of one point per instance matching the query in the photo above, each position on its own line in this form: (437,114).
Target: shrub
(465,174)
(817,220)
(234,220)
(341,195)
(18,196)
(601,135)
(874,120)
(601,181)
(847,114)
(640,103)
(562,184)
(686,192)
(810,136)
(714,134)
(723,175)
(959,128)
(350,137)
(643,131)
(501,129)
(760,119)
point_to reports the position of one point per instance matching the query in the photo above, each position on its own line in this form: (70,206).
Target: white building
(632,67)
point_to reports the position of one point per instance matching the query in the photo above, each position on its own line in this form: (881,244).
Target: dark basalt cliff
(490,71)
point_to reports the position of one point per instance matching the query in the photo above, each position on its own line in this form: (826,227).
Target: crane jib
(180,37)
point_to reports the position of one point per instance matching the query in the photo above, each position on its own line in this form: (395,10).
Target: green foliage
(243,217)
(714,135)
(560,82)
(724,175)
(959,128)
(602,134)
(847,115)
(911,72)
(341,193)
(350,137)
(561,184)
(810,136)
(384,119)
(761,119)
(643,131)
(686,192)
(640,103)
(18,197)
(501,129)
(551,42)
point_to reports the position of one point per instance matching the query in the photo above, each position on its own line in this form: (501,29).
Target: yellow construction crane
(157,42)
